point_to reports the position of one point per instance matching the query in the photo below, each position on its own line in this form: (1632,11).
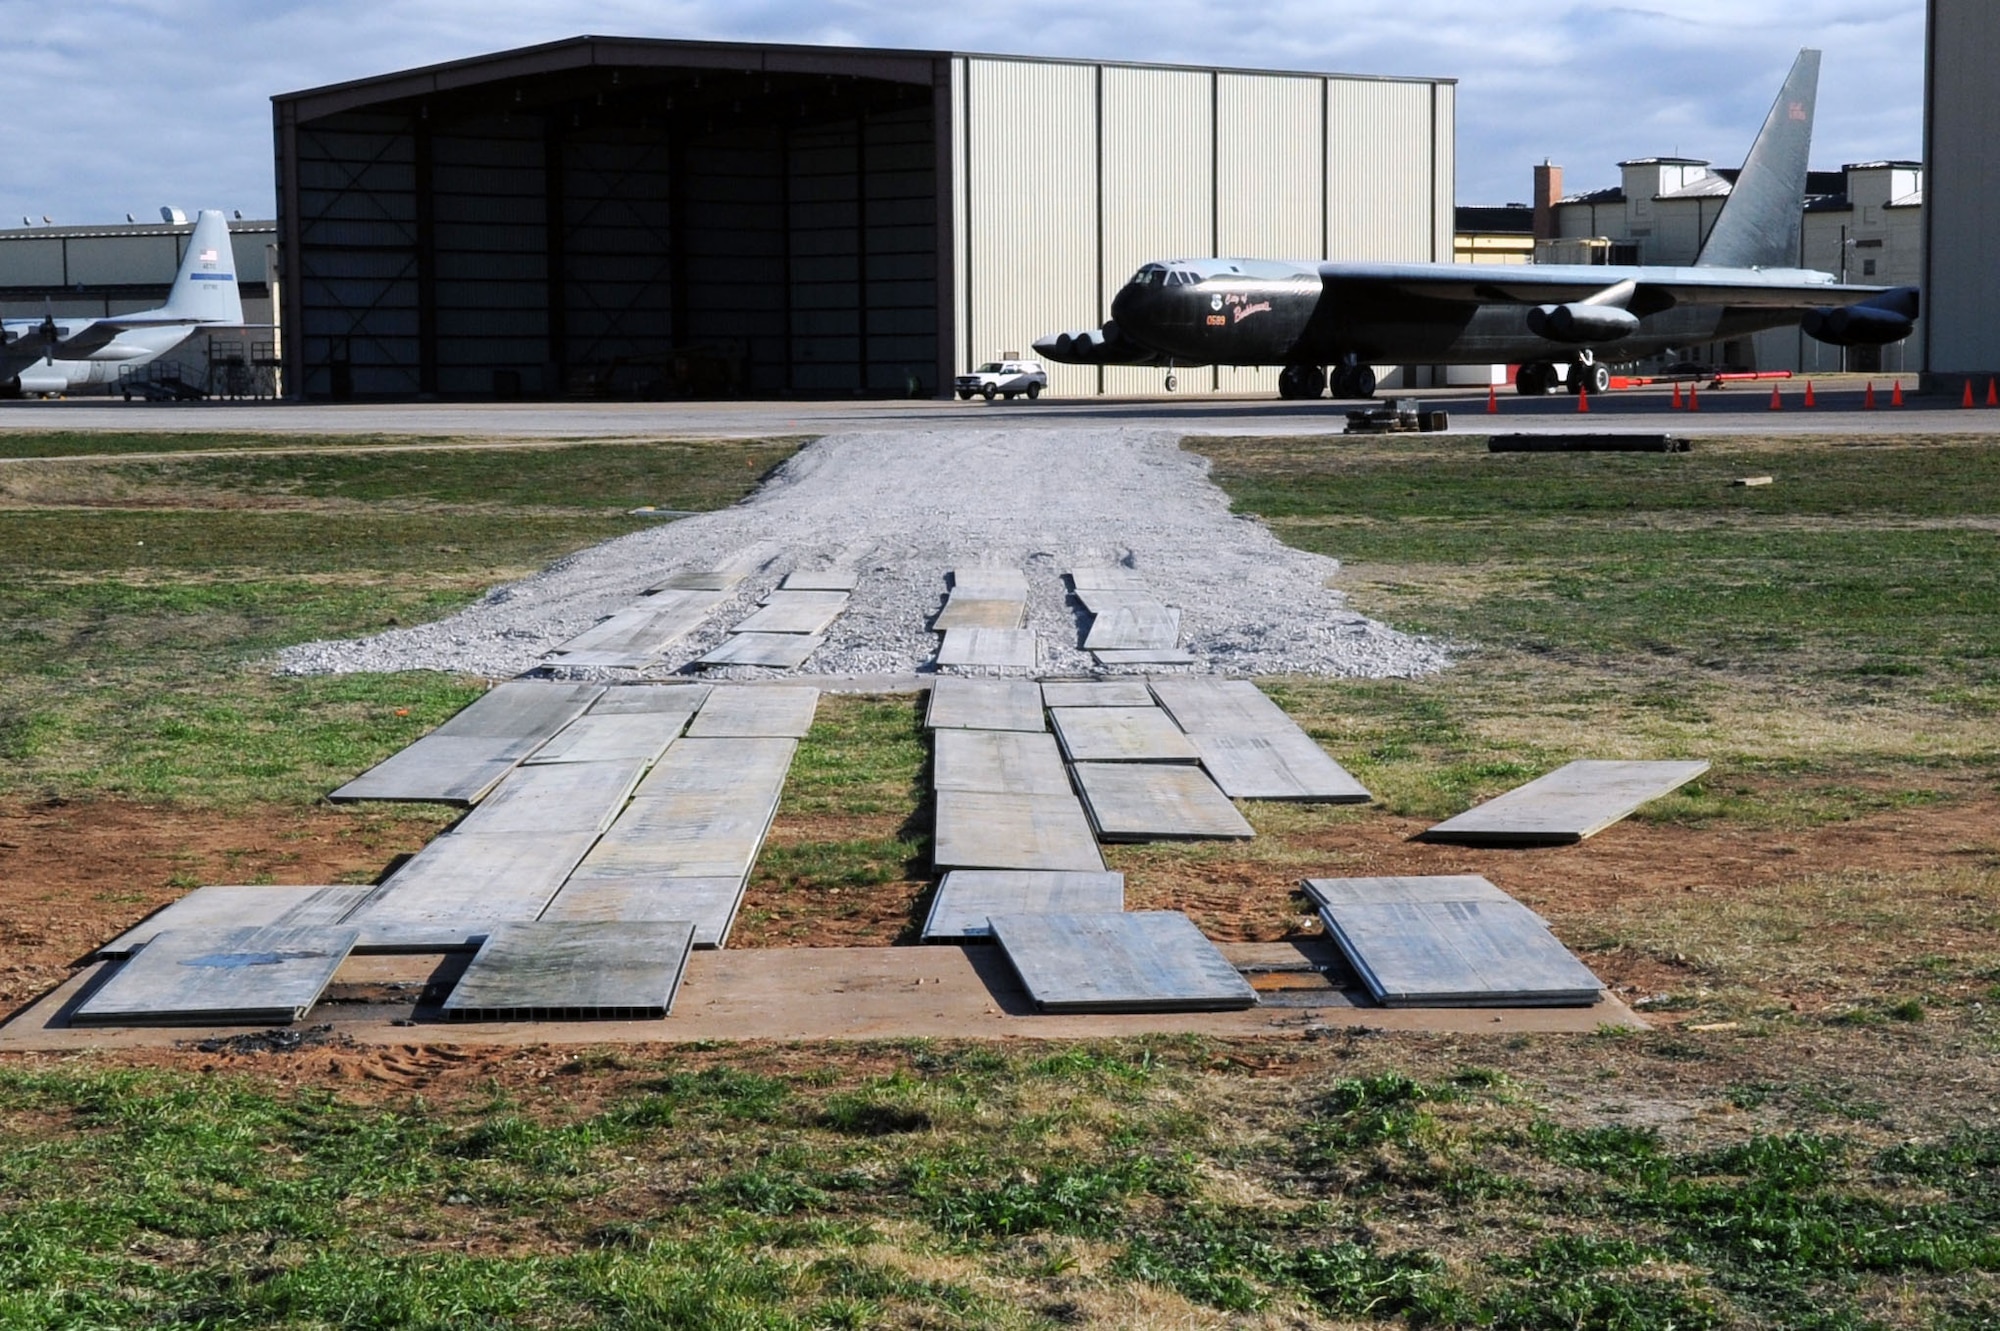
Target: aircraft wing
(1653,289)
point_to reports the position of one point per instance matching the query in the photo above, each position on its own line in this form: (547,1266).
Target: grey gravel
(906,508)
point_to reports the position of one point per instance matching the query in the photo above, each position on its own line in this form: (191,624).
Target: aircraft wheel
(1533,380)
(1172,383)
(1302,381)
(1597,378)
(1364,381)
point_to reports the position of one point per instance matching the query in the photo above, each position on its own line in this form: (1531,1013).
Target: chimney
(1548,189)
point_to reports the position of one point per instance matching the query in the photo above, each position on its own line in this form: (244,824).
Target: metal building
(640,217)
(1962,192)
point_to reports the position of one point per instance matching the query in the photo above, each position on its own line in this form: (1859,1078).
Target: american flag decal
(208,256)
(1798,110)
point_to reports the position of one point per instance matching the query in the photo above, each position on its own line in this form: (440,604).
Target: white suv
(1004,377)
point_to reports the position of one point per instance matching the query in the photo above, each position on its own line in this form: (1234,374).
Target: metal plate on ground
(459,762)
(1005,649)
(1146,656)
(1137,961)
(567,970)
(1575,801)
(755,712)
(795,612)
(985,704)
(710,904)
(1103,600)
(980,830)
(1277,766)
(684,836)
(780,651)
(964,612)
(1449,942)
(999,761)
(648,699)
(699,580)
(599,738)
(1104,577)
(1157,802)
(1097,693)
(238,907)
(1121,734)
(967,898)
(822,580)
(990,584)
(1134,625)
(639,632)
(462,884)
(556,797)
(1206,706)
(719,767)
(218,977)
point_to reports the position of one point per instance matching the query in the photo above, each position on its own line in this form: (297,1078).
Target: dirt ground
(75,874)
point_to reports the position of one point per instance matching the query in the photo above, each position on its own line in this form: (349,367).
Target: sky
(121,106)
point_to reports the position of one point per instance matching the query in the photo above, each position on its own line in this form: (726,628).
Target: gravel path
(906,507)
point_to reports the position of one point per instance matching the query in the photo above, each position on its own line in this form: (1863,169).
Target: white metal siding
(1269,198)
(1031,207)
(1962,189)
(1444,172)
(1380,178)
(1159,195)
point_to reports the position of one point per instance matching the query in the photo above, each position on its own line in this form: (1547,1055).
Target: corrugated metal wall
(1068,176)
(1962,190)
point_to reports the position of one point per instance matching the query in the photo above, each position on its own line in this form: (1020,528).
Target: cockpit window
(1151,275)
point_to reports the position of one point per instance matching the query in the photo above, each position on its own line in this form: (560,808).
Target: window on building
(1868,268)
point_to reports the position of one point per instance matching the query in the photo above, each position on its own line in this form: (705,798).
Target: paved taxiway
(1732,411)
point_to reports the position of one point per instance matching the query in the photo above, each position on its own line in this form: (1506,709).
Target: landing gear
(1536,379)
(1302,381)
(1353,382)
(1172,383)
(1596,378)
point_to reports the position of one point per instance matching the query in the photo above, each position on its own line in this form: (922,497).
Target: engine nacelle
(1857,326)
(1582,324)
(1095,346)
(42,377)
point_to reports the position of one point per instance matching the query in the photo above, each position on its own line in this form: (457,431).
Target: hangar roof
(583,52)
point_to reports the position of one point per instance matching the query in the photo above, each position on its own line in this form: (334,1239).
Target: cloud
(131,104)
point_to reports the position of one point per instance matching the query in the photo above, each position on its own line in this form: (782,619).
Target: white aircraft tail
(206,288)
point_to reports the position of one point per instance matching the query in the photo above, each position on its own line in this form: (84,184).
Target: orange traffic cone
(1992,394)
(1896,393)
(1777,403)
(1968,395)
(1868,399)
(1677,395)
(1582,398)
(1809,394)
(1694,398)
(1492,400)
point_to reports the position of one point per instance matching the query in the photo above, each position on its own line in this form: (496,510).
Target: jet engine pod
(1578,324)
(1889,317)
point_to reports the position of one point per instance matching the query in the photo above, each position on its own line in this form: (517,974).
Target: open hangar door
(621,218)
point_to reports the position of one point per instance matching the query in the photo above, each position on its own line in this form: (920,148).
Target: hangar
(1962,252)
(635,217)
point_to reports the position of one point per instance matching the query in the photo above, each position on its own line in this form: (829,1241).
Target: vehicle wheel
(1034,391)
(988,392)
(965,395)
(1172,383)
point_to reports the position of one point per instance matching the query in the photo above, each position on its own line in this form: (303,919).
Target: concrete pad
(1203,705)
(648,699)
(239,907)
(1575,801)
(778,651)
(1096,693)
(795,612)
(454,890)
(1277,766)
(1134,626)
(967,898)
(710,904)
(462,760)
(556,797)
(597,738)
(964,612)
(738,767)
(684,836)
(999,762)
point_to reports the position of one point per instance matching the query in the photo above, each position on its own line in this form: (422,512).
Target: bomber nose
(1127,302)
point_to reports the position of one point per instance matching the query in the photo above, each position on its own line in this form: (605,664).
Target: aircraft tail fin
(1761,223)
(206,289)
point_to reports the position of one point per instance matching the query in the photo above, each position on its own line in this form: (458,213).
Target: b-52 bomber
(1560,323)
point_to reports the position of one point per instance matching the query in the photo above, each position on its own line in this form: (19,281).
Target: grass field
(1809,1139)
